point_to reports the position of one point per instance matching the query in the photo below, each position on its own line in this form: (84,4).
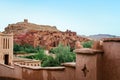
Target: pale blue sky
(86,17)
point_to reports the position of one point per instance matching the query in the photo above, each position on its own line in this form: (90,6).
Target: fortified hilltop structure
(42,35)
(22,27)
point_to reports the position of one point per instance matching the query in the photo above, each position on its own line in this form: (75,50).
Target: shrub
(62,55)
(87,44)
(26,48)
(16,47)
(50,62)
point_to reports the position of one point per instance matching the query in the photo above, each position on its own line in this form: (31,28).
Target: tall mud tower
(6,48)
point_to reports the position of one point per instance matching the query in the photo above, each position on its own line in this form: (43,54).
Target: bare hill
(22,27)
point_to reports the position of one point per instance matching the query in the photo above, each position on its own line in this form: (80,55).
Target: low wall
(70,70)
(49,73)
(23,72)
(27,62)
(6,71)
(32,73)
(18,71)
(55,73)
(40,73)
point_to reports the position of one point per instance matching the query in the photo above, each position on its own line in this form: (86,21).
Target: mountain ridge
(101,36)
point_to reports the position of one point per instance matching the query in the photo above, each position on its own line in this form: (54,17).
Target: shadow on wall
(8,78)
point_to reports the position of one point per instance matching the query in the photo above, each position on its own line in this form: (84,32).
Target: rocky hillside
(42,35)
(48,39)
(23,27)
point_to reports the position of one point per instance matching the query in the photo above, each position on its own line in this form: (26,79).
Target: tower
(6,48)
(25,20)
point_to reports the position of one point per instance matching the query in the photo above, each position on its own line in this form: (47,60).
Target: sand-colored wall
(10,72)
(6,71)
(18,71)
(28,62)
(111,59)
(32,74)
(87,62)
(54,74)
(48,73)
(70,73)
(37,73)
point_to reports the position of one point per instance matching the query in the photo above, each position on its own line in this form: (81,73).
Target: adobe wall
(17,71)
(54,73)
(88,64)
(32,74)
(47,73)
(37,73)
(69,70)
(27,62)
(6,71)
(111,59)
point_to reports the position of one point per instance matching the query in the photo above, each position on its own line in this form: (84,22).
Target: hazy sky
(86,17)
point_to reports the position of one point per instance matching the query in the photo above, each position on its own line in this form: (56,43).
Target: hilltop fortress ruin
(25,26)
(42,35)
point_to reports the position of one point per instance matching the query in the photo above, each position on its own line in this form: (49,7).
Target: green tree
(26,48)
(16,47)
(50,62)
(62,55)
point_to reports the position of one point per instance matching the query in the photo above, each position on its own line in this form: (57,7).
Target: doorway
(6,59)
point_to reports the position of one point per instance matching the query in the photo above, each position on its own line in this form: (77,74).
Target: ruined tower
(25,20)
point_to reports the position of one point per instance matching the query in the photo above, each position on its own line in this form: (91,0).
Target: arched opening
(6,59)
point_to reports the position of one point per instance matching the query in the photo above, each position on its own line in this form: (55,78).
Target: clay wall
(87,64)
(111,59)
(32,74)
(28,62)
(6,71)
(47,73)
(70,71)
(54,74)
(37,73)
